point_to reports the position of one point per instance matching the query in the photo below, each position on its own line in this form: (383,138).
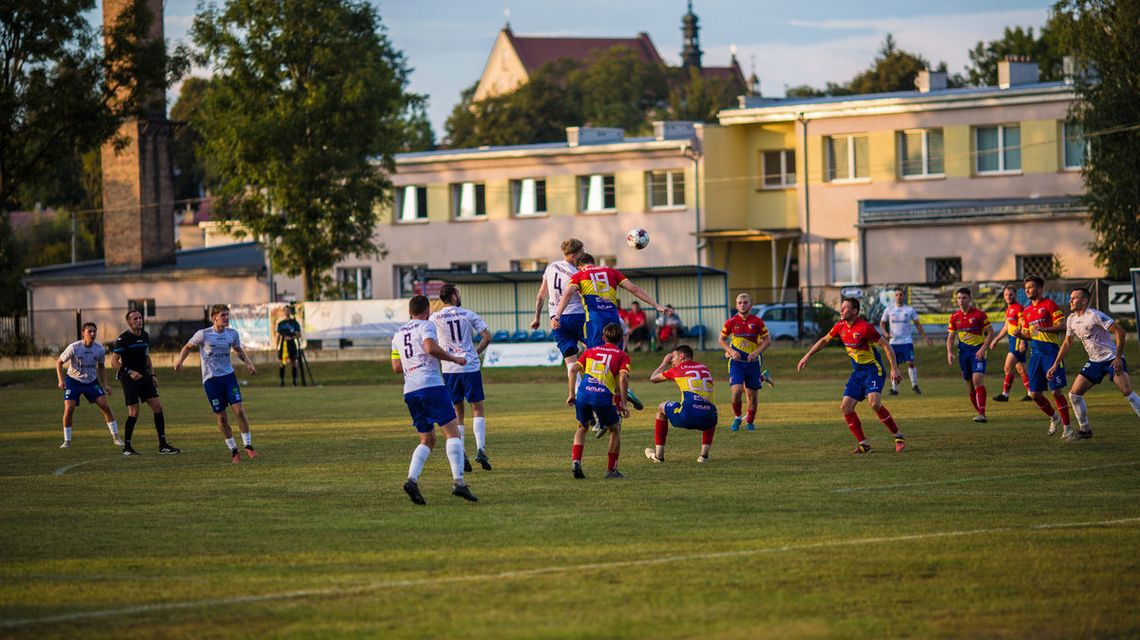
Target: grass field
(975,531)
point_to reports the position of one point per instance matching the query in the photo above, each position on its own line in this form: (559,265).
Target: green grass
(976,531)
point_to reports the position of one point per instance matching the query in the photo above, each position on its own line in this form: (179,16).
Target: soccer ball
(637,238)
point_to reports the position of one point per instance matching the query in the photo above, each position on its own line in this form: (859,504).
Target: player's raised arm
(637,291)
(658,374)
(819,344)
(539,301)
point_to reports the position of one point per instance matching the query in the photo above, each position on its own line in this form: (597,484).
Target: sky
(446,42)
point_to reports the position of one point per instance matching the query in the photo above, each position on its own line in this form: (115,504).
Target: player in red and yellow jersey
(860,338)
(601,395)
(598,287)
(1044,329)
(696,409)
(972,329)
(744,339)
(1015,359)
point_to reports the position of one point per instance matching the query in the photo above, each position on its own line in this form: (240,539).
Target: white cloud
(840,56)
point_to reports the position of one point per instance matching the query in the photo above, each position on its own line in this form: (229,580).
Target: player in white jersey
(85,371)
(416,353)
(218,378)
(457,328)
(555,280)
(1103,340)
(898,323)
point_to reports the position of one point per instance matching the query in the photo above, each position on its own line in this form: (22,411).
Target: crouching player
(416,354)
(601,395)
(695,410)
(860,338)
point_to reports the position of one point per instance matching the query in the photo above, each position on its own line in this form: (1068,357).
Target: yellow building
(934,185)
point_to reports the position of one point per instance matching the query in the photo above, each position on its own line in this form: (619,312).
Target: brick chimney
(138,183)
(1017,70)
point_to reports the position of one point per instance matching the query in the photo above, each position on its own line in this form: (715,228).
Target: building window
(468,200)
(469,267)
(596,193)
(943,270)
(998,149)
(778,168)
(528,197)
(920,153)
(529,264)
(606,261)
(1043,265)
(355,283)
(844,262)
(848,158)
(411,203)
(406,279)
(666,189)
(144,306)
(1075,145)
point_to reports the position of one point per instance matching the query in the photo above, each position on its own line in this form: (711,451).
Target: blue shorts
(607,414)
(903,352)
(864,379)
(429,406)
(1094,372)
(969,362)
(690,416)
(1020,355)
(595,323)
(73,389)
(745,373)
(570,331)
(222,392)
(1040,359)
(466,385)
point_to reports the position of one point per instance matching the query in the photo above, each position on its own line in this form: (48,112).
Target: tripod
(303,365)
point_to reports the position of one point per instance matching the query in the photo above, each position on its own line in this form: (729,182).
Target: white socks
(113,426)
(231,444)
(913,376)
(480,426)
(67,432)
(1134,400)
(419,457)
(894,385)
(454,450)
(247,438)
(462,436)
(1080,410)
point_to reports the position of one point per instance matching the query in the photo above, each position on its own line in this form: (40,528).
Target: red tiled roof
(537,51)
(730,75)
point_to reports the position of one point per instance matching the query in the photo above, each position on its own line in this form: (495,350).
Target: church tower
(691,52)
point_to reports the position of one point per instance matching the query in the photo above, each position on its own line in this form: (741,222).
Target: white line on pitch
(62,470)
(526,573)
(981,478)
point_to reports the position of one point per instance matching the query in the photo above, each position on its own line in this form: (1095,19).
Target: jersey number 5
(407,345)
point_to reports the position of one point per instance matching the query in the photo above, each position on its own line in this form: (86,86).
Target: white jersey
(901,321)
(457,328)
(1093,328)
(214,350)
(557,277)
(83,361)
(421,369)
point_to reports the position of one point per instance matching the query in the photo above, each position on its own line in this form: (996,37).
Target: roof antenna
(507,15)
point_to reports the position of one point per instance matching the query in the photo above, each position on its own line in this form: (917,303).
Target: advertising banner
(353,319)
(256,323)
(523,354)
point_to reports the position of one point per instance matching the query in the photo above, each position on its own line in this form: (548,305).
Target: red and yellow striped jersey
(746,332)
(601,367)
(970,326)
(693,379)
(858,338)
(598,287)
(1044,313)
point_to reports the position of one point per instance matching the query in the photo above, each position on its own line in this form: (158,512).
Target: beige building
(927,186)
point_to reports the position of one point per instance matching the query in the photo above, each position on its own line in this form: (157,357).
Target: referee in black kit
(131,355)
(288,337)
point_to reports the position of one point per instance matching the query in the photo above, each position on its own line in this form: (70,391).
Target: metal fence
(169,326)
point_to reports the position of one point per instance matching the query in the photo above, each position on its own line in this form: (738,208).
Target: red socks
(980,401)
(576,453)
(1025,381)
(974,398)
(887,420)
(707,435)
(750,417)
(1007,383)
(660,432)
(855,426)
(1062,407)
(1045,406)
(736,408)
(613,461)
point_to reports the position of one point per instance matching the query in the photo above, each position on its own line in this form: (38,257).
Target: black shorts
(287,350)
(135,391)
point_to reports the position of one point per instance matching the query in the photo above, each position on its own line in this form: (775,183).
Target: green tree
(892,70)
(1045,50)
(618,88)
(538,111)
(1104,37)
(692,96)
(300,122)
